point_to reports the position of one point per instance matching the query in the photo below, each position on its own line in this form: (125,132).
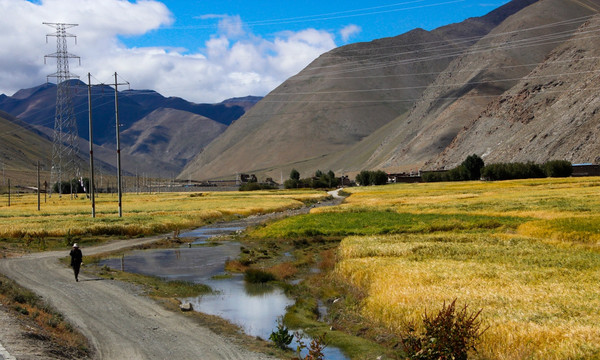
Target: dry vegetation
(536,280)
(142,214)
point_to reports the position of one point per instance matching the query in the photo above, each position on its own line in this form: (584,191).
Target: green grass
(366,222)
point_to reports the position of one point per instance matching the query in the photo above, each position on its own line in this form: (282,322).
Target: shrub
(315,348)
(256,276)
(281,336)
(363,178)
(378,177)
(446,335)
(321,180)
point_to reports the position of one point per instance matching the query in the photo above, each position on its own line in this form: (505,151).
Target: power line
(527,42)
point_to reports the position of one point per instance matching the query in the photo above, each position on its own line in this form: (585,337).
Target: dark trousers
(76,270)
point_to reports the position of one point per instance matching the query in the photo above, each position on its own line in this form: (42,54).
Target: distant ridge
(35,107)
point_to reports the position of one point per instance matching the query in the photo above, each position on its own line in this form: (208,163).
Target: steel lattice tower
(64,149)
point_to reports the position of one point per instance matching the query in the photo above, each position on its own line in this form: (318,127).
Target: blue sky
(205,51)
(193,22)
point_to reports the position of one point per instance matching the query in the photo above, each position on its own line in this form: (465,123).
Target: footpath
(4,355)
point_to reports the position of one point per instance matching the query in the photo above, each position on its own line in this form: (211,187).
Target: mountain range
(158,135)
(514,85)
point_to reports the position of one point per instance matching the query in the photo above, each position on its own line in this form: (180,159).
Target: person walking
(76,260)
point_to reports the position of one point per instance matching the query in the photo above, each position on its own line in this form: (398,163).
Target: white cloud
(348,31)
(233,62)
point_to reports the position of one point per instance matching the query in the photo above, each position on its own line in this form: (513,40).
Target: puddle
(201,235)
(255,308)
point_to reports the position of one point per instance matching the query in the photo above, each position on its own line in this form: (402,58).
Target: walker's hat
(75,245)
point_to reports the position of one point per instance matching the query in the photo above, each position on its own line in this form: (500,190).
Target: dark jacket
(76,257)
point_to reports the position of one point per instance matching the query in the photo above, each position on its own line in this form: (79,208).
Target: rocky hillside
(394,104)
(552,113)
(340,99)
(464,89)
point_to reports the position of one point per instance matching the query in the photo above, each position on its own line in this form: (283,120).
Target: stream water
(255,308)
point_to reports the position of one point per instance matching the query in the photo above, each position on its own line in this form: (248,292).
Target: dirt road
(118,323)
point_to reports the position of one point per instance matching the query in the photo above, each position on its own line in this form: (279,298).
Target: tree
(473,164)
(363,178)
(558,168)
(379,177)
(294,174)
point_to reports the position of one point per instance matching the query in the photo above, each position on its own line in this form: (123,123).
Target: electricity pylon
(64,150)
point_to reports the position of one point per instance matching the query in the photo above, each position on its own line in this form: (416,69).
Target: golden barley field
(143,214)
(536,279)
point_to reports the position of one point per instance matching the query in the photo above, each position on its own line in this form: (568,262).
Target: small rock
(186,307)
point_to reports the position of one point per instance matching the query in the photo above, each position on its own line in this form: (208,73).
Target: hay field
(143,214)
(537,280)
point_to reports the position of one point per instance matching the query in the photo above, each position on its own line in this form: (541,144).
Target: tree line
(473,168)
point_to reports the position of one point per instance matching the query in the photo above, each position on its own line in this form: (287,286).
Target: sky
(203,51)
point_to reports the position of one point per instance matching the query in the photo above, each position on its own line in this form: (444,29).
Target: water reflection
(255,308)
(201,235)
(191,264)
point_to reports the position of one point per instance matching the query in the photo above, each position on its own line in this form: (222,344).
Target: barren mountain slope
(20,146)
(169,135)
(553,113)
(342,97)
(463,90)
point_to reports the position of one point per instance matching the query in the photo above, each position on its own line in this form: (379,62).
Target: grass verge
(43,321)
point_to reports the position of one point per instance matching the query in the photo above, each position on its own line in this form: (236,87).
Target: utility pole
(118,145)
(92,183)
(64,151)
(38,184)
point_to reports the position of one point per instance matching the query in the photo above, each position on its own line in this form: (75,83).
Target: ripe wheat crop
(142,214)
(535,279)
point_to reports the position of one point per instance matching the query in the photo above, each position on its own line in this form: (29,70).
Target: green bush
(509,171)
(256,276)
(281,336)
